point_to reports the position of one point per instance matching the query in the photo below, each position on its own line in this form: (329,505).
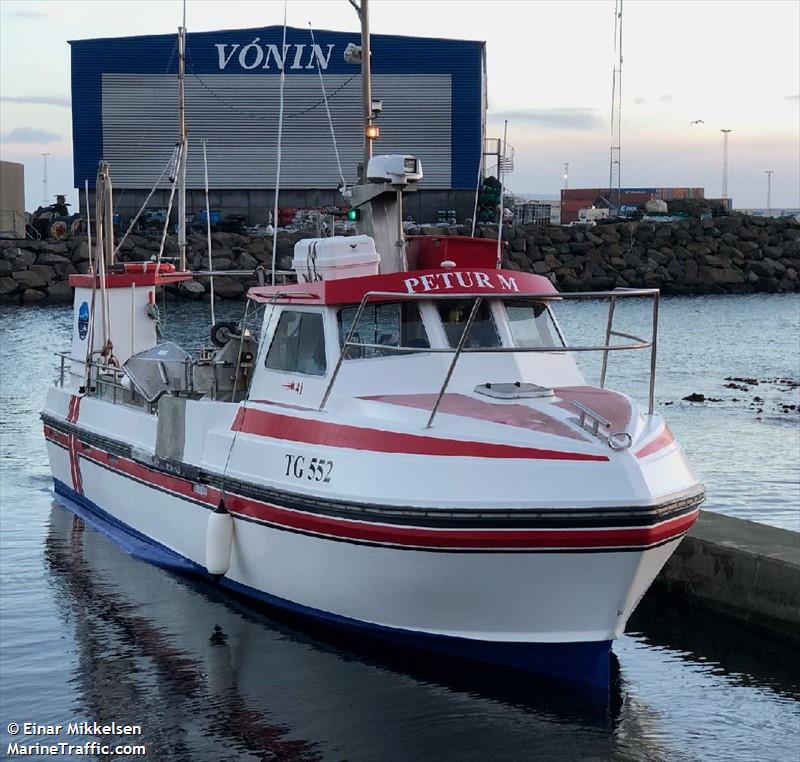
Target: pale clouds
(576,118)
(27,135)
(28,13)
(37,100)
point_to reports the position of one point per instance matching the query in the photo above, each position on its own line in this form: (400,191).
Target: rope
(280,137)
(343,186)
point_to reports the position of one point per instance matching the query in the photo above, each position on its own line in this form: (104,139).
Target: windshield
(394,324)
(530,324)
(455,313)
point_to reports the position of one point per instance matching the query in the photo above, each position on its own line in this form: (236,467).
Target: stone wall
(735,254)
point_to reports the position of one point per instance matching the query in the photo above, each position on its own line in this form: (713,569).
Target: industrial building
(575,199)
(124,110)
(12,200)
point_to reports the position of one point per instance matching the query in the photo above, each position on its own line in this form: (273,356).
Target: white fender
(219,539)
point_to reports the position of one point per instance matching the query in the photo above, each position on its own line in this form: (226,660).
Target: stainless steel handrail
(638,342)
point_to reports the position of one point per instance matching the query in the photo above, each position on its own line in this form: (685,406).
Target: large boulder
(29,279)
(47,273)
(192,289)
(50,258)
(8,286)
(227,287)
(60,293)
(32,296)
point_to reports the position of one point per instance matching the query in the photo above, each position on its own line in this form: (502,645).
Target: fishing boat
(400,442)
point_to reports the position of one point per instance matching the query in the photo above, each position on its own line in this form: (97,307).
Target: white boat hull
(541,607)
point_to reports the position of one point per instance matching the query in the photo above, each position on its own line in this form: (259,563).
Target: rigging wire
(343,185)
(169,207)
(477,190)
(280,138)
(167,166)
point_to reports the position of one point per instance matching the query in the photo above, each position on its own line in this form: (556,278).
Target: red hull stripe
(388,534)
(292,429)
(465,538)
(664,439)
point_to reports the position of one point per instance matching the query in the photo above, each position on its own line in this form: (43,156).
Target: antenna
(725,134)
(769,173)
(45,194)
(615,159)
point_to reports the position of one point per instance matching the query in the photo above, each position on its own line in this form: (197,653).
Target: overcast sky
(734,64)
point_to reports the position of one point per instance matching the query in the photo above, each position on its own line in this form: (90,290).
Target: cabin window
(455,313)
(396,324)
(529,323)
(298,345)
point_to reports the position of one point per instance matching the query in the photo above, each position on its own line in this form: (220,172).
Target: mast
(182,141)
(366,83)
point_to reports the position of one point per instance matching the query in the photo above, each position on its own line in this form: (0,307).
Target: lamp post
(566,175)
(725,134)
(45,194)
(768,173)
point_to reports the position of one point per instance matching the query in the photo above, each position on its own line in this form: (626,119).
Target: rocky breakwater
(33,272)
(725,255)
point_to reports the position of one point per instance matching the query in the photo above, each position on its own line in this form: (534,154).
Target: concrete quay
(740,569)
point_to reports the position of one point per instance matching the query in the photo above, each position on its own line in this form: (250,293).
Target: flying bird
(696,121)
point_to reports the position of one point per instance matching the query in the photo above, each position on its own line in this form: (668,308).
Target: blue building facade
(124,109)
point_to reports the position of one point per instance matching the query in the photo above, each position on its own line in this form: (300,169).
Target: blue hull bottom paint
(586,663)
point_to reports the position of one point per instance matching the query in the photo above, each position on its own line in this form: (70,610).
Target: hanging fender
(219,540)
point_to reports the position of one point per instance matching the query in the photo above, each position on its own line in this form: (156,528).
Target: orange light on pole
(373,132)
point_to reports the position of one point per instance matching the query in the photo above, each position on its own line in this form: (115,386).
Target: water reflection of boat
(270,691)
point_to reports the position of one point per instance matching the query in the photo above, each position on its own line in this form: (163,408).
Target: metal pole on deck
(366,84)
(183,142)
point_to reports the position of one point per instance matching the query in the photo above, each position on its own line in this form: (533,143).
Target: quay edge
(739,569)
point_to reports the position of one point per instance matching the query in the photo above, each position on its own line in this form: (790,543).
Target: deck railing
(460,349)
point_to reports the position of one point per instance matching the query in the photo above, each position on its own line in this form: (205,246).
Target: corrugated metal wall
(237,114)
(433,91)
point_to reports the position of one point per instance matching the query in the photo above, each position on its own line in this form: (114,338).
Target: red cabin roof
(455,281)
(126,274)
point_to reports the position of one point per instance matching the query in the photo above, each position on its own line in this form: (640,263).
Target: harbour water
(89,633)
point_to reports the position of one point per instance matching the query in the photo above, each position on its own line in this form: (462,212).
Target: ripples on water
(87,632)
